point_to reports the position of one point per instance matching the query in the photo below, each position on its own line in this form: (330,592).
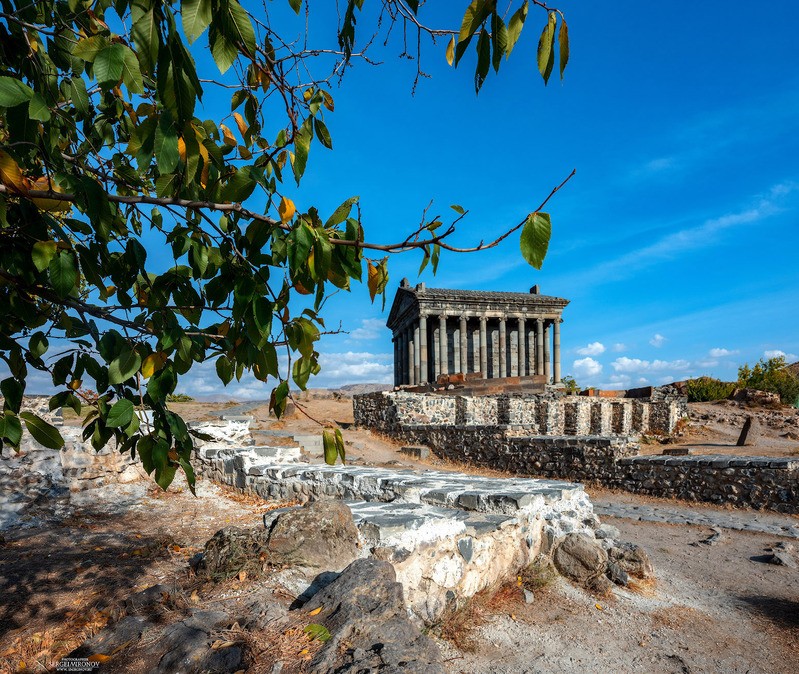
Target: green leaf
(124,366)
(563,41)
(63,273)
(166,146)
(499,40)
(120,415)
(302,144)
(460,210)
(42,432)
(224,369)
(145,35)
(12,394)
(483,60)
(38,344)
(196,15)
(342,452)
(296,5)
(319,632)
(243,25)
(42,253)
(89,47)
(38,109)
(108,65)
(515,27)
(535,236)
(329,444)
(13,92)
(472,19)
(131,73)
(546,48)
(79,96)
(323,134)
(341,213)
(223,51)
(11,429)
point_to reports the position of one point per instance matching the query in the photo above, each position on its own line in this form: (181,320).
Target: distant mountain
(357,389)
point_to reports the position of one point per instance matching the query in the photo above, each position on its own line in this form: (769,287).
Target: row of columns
(411,357)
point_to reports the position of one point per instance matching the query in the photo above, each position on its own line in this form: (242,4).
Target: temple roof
(412,299)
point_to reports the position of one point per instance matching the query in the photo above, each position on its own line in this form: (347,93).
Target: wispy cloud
(657,340)
(637,365)
(371,328)
(779,353)
(586,367)
(722,353)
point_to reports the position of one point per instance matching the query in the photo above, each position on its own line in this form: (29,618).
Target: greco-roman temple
(485,334)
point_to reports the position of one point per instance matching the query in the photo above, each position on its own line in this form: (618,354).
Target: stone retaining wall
(577,453)
(545,414)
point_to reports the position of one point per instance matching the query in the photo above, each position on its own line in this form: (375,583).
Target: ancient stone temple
(496,334)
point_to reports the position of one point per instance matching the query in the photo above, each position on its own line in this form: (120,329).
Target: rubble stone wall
(582,439)
(544,414)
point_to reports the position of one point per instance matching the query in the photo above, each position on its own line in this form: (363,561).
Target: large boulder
(320,536)
(582,559)
(364,611)
(632,559)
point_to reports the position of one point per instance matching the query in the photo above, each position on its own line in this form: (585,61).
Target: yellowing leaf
(99,657)
(242,576)
(53,205)
(195,598)
(316,611)
(451,50)
(219,644)
(240,123)
(75,384)
(182,149)
(286,209)
(153,363)
(373,280)
(10,174)
(599,607)
(230,139)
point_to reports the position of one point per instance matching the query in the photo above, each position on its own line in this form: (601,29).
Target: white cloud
(778,353)
(657,341)
(636,365)
(707,363)
(592,349)
(371,328)
(586,367)
(618,347)
(722,353)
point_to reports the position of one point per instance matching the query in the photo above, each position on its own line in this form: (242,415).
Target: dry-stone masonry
(579,438)
(448,535)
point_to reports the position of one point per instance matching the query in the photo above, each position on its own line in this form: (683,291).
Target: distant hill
(793,369)
(356,389)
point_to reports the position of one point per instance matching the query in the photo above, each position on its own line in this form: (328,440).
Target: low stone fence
(545,414)
(610,459)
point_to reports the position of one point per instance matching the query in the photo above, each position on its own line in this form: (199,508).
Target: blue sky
(675,242)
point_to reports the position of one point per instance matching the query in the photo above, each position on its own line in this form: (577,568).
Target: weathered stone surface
(633,559)
(605,531)
(320,535)
(231,550)
(616,574)
(365,613)
(754,397)
(580,558)
(748,429)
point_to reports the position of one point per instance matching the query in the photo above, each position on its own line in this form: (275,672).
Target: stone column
(483,347)
(521,351)
(547,359)
(464,346)
(396,360)
(539,346)
(417,356)
(401,356)
(442,339)
(411,359)
(556,349)
(503,349)
(422,349)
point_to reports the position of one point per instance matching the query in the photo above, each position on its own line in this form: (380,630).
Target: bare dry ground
(717,608)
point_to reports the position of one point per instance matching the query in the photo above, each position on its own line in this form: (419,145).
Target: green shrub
(571,385)
(770,375)
(179,398)
(704,389)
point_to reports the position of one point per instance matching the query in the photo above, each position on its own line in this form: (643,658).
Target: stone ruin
(582,438)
